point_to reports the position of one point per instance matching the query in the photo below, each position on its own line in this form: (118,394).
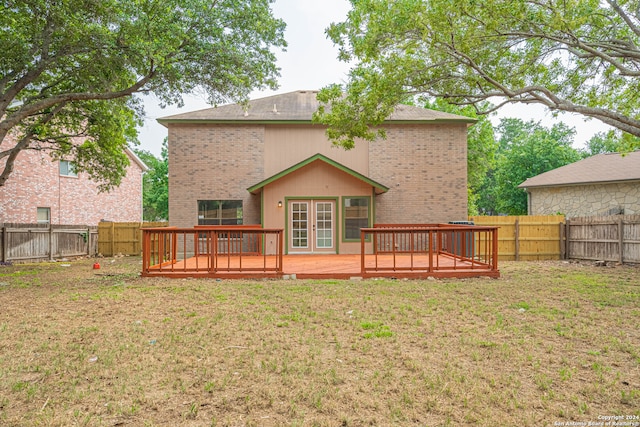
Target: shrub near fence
(122,237)
(38,242)
(527,238)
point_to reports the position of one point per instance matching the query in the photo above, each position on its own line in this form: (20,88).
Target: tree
(481,147)
(610,142)
(155,185)
(579,56)
(525,149)
(70,70)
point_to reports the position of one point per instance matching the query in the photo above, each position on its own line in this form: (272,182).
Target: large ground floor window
(219,212)
(356,215)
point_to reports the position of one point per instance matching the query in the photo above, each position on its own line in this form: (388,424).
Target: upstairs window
(219,212)
(44,215)
(67,168)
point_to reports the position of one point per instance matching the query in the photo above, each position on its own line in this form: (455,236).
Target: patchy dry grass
(546,344)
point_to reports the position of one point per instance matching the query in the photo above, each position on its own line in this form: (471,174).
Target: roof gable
(298,106)
(601,168)
(133,156)
(319,157)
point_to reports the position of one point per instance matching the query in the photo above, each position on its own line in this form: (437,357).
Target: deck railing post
(174,247)
(494,264)
(430,251)
(280,250)
(362,237)
(145,251)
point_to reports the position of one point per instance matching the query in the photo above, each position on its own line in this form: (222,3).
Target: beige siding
(287,145)
(317,180)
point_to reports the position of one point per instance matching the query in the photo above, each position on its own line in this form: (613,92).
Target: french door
(311,226)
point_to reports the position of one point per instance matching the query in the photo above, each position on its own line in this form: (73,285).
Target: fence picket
(37,242)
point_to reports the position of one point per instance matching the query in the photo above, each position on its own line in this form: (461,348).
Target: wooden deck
(326,267)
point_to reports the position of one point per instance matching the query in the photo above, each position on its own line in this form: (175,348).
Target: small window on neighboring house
(219,212)
(44,215)
(356,216)
(67,168)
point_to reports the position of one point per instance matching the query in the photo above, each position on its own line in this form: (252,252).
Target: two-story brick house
(46,191)
(267,163)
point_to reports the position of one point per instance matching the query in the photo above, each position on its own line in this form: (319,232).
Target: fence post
(113,238)
(567,237)
(5,243)
(50,242)
(563,248)
(620,240)
(517,237)
(88,241)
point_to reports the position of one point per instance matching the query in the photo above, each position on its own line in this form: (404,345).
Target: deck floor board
(325,267)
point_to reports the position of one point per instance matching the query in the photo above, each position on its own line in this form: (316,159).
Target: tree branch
(614,4)
(12,153)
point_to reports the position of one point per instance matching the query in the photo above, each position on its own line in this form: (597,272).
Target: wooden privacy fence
(613,238)
(37,242)
(527,238)
(604,238)
(123,238)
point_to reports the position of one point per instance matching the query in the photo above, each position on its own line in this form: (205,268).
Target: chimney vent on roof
(275,110)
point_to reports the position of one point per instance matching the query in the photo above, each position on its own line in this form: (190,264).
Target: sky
(310,63)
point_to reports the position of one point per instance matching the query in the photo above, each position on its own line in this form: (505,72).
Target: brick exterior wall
(586,200)
(36,182)
(214,162)
(425,167)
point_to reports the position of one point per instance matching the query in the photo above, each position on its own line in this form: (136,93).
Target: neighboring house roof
(298,106)
(319,157)
(601,168)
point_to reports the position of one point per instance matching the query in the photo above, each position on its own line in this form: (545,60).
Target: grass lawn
(549,343)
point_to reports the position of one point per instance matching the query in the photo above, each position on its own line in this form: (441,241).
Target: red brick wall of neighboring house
(36,182)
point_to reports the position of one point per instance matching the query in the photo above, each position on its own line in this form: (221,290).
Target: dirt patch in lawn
(548,343)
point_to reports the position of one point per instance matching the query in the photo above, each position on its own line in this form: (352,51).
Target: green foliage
(578,56)
(71,70)
(525,149)
(611,142)
(155,185)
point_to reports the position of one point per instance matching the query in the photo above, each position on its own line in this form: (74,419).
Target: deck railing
(429,248)
(212,250)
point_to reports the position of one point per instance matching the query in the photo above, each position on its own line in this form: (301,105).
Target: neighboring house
(49,191)
(604,184)
(267,164)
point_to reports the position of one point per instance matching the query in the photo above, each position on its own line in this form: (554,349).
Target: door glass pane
(299,225)
(324,225)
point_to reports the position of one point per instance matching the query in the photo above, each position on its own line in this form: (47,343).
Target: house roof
(319,157)
(297,106)
(136,159)
(601,168)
